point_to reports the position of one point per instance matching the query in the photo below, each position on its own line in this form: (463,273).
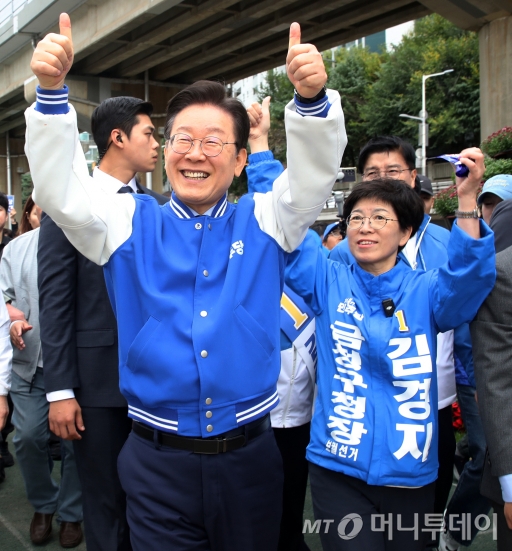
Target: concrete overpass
(155,47)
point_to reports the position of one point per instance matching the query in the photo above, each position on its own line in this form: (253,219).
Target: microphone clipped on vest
(389,307)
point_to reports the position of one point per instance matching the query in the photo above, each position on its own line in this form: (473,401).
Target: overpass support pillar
(495,75)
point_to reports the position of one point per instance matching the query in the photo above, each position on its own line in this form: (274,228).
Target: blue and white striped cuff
(318,109)
(52,102)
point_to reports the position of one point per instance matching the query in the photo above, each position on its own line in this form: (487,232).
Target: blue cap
(329,229)
(500,185)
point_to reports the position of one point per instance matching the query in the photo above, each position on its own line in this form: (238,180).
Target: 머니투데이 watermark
(350,525)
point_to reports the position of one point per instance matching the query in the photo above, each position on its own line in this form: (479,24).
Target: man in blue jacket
(195,286)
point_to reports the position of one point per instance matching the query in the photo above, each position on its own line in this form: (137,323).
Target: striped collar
(182,211)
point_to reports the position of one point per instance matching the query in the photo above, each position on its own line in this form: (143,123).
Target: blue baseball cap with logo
(500,185)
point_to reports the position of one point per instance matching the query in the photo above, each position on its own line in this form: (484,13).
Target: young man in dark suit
(79,330)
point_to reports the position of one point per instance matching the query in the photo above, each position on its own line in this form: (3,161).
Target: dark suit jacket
(491,333)
(78,327)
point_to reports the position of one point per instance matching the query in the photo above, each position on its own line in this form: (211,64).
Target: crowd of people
(200,360)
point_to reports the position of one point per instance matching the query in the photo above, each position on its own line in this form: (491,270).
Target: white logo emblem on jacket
(237,247)
(349,307)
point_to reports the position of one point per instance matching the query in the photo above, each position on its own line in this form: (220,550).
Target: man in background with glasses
(195,286)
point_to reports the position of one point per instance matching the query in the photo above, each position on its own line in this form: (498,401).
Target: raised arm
(460,286)
(316,139)
(96,223)
(262,169)
(467,189)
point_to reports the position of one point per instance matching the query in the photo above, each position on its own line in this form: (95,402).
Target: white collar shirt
(110,184)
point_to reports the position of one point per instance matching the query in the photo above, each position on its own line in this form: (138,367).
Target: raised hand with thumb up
(304,65)
(259,117)
(53,57)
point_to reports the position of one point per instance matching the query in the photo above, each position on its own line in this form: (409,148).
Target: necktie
(125,189)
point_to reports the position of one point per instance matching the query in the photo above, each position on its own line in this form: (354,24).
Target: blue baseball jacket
(196,297)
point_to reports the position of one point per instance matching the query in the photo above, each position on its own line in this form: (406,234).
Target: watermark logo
(351,525)
(352,520)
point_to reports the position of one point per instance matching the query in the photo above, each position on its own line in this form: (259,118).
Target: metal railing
(10,8)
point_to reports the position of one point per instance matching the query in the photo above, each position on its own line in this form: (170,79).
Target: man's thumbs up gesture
(53,57)
(304,65)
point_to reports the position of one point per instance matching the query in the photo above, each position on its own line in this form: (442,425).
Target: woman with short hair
(373,449)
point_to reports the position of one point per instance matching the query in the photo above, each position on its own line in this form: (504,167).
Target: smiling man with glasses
(196,287)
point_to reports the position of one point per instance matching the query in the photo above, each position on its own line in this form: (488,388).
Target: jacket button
(209,428)
(205,273)
(209,414)
(204,353)
(208,401)
(198,226)
(203,313)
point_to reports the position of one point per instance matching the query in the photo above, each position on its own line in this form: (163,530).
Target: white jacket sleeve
(315,147)
(95,222)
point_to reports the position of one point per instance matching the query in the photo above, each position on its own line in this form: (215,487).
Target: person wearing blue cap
(333,234)
(495,190)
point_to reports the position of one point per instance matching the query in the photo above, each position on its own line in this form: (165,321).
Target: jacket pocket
(142,340)
(94,339)
(255,329)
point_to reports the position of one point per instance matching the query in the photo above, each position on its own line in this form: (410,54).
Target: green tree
(280,89)
(355,72)
(452,100)
(376,88)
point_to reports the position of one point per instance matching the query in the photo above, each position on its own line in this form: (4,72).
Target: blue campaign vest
(376,409)
(197,305)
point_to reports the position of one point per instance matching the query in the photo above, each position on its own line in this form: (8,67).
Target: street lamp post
(423,118)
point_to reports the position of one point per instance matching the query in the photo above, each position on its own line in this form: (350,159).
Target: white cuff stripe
(56,96)
(311,113)
(52,102)
(309,107)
